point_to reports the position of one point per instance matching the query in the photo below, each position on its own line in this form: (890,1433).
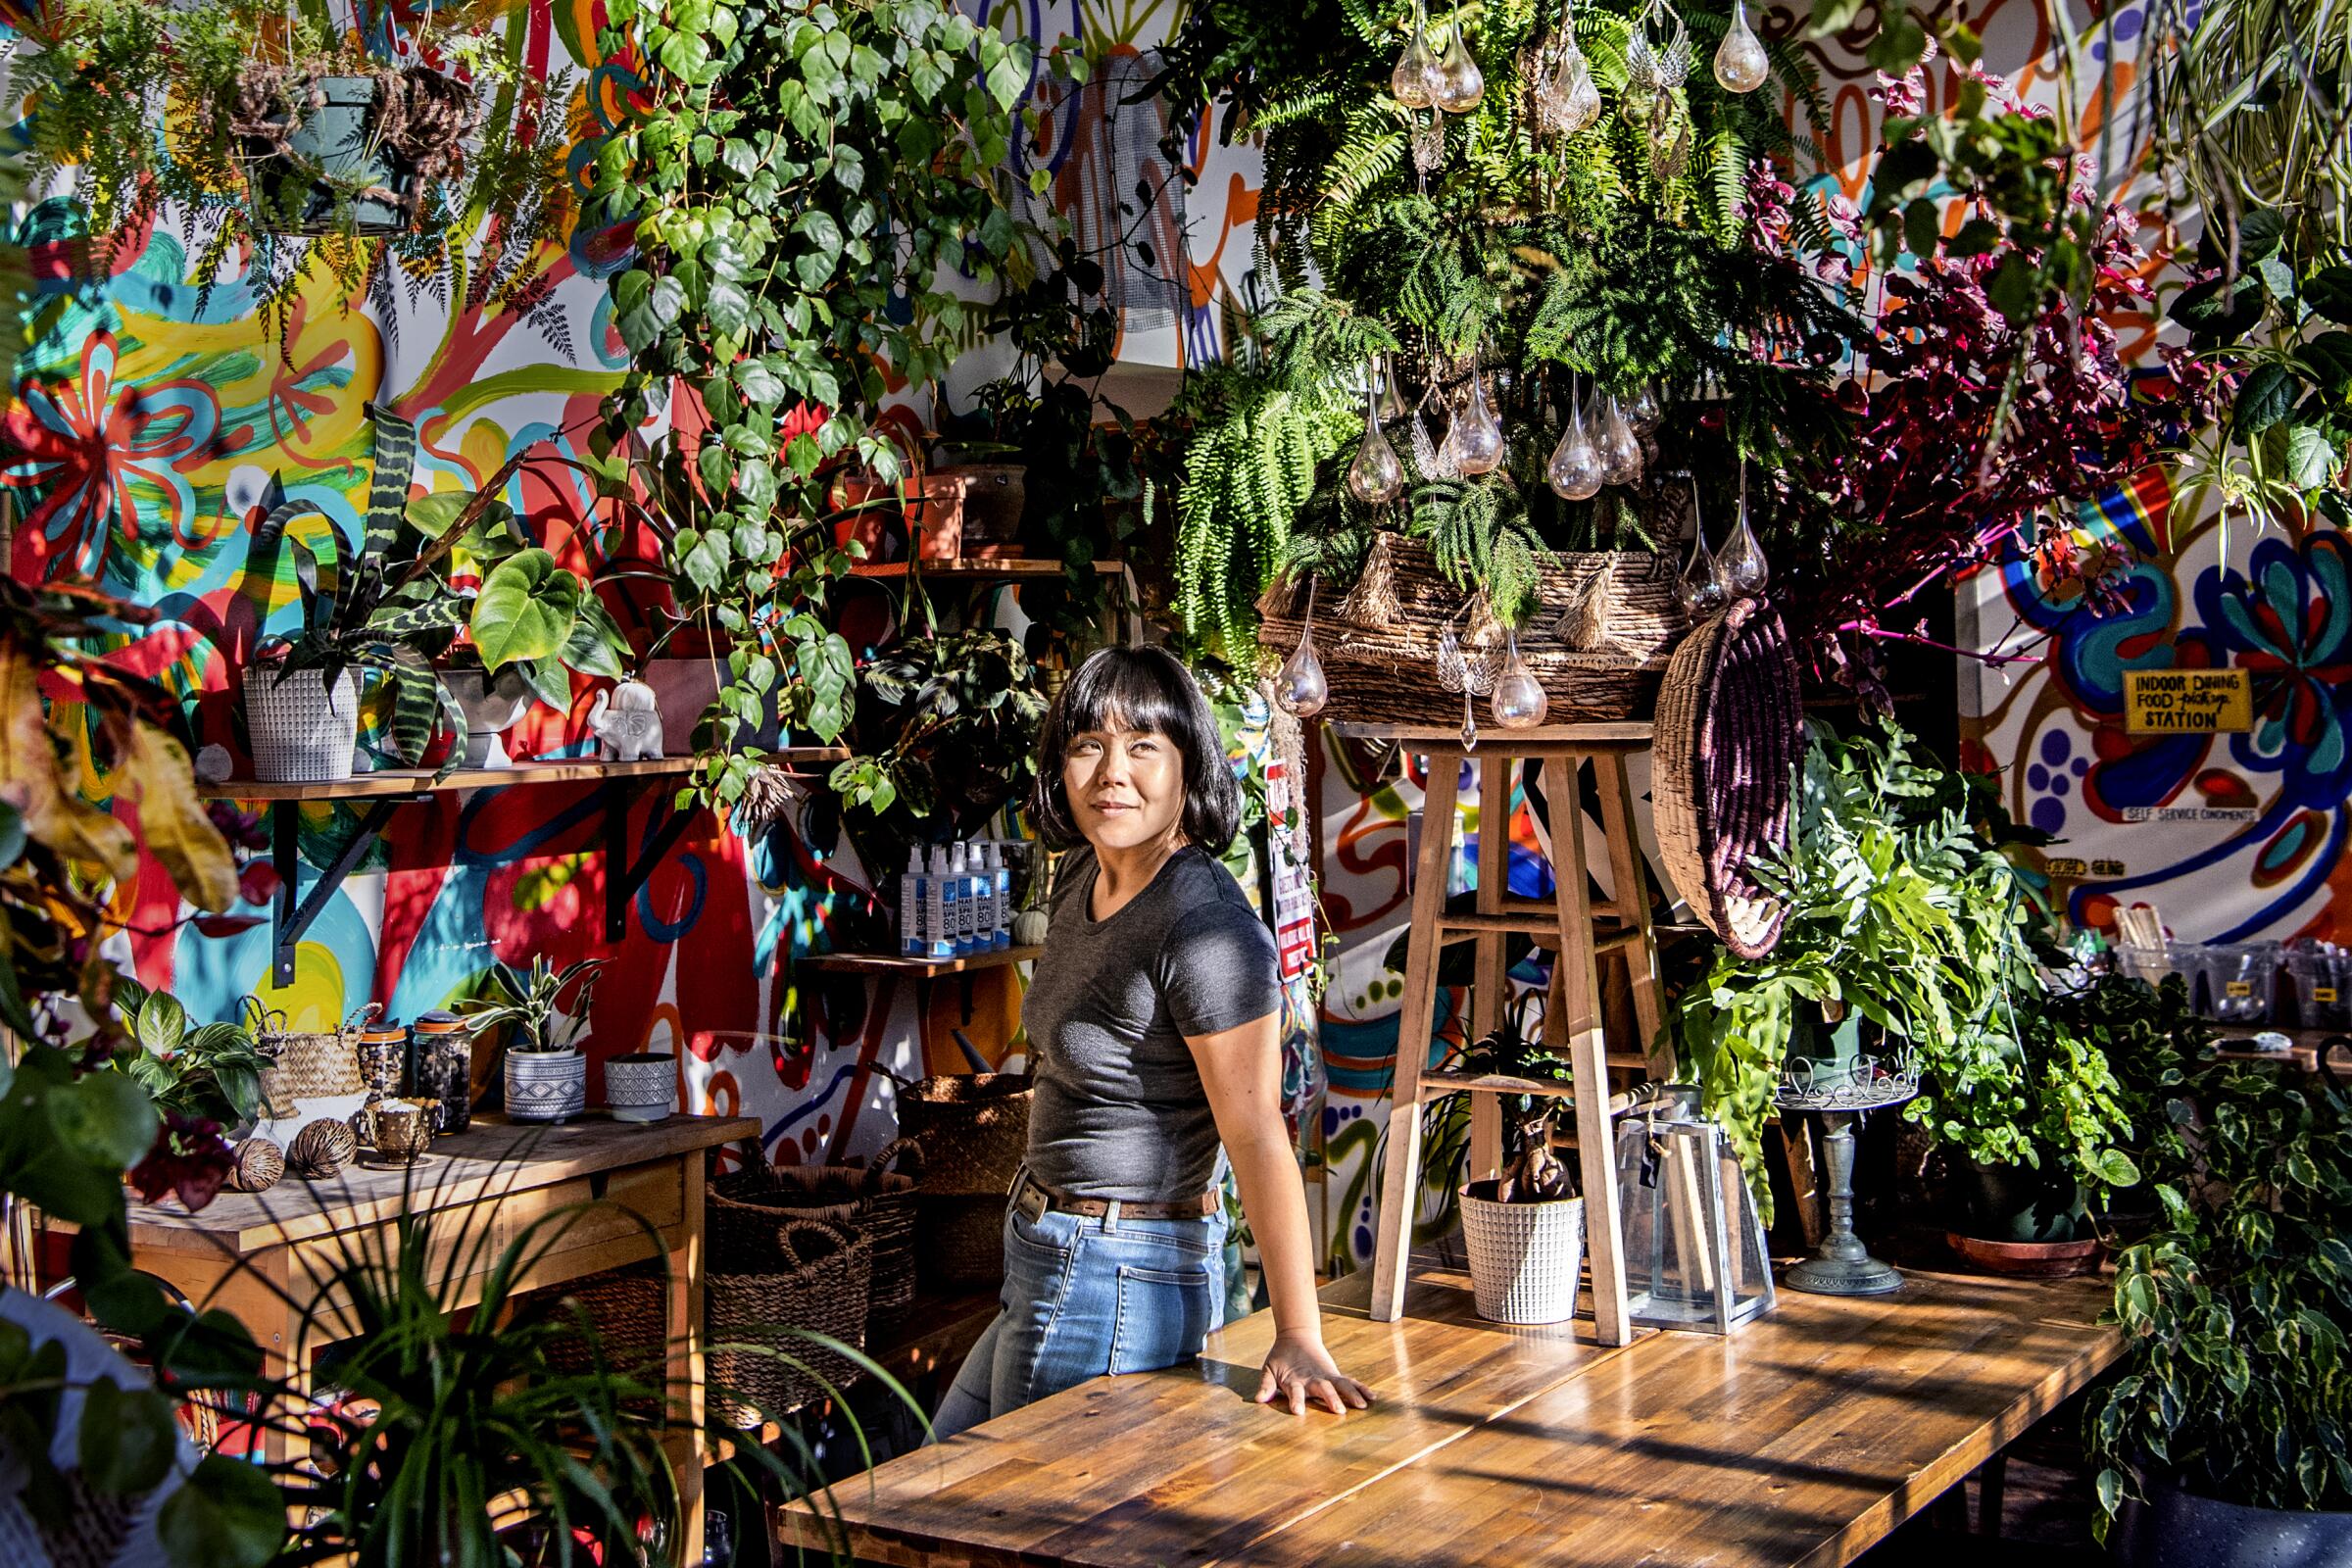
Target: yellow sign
(2188,702)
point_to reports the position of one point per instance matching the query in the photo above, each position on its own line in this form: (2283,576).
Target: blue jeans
(1087,1296)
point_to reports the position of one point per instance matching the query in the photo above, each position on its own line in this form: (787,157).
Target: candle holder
(1843,1265)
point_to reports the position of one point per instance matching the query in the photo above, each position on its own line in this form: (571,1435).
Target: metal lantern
(1694,1253)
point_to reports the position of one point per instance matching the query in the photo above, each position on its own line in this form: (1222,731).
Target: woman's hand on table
(1300,1372)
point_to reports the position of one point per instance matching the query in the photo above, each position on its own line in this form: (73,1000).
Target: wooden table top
(1797,1440)
(492,1157)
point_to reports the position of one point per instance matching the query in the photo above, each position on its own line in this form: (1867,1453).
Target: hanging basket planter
(1722,770)
(1598,643)
(348,154)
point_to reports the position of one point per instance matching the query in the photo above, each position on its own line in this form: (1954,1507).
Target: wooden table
(1800,1440)
(261,1256)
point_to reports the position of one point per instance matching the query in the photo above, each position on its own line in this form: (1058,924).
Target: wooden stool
(1572,1019)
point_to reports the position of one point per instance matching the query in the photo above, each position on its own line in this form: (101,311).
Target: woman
(1154,1038)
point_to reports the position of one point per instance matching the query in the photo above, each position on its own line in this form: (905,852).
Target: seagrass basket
(1605,624)
(814,1278)
(310,1064)
(878,1200)
(961,1241)
(973,1129)
(629,1316)
(1729,730)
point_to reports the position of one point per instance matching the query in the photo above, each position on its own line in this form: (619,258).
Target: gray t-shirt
(1119,1109)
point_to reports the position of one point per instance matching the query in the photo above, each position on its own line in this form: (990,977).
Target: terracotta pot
(994,501)
(935,515)
(2029,1259)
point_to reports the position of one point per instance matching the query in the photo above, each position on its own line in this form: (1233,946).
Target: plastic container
(2241,981)
(2323,983)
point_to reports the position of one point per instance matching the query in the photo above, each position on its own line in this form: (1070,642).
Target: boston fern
(802,181)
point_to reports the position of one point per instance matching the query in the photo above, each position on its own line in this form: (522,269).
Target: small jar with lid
(444,1069)
(384,1058)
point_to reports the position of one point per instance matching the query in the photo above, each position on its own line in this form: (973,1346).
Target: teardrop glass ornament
(1476,438)
(1459,83)
(1620,448)
(1301,688)
(1519,701)
(1741,65)
(1643,410)
(1575,467)
(1697,588)
(1414,81)
(1741,568)
(1375,477)
(1580,100)
(1469,723)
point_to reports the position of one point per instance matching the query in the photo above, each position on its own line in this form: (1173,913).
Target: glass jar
(443,1071)
(384,1060)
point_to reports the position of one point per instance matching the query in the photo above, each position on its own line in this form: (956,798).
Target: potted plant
(2225,1435)
(391,606)
(1524,1231)
(210,1072)
(546,1011)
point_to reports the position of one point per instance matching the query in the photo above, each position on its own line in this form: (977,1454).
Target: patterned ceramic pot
(1523,1257)
(546,1085)
(643,1086)
(303,730)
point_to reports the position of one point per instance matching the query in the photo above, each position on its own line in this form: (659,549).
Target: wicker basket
(1598,643)
(961,1241)
(1723,768)
(877,1201)
(973,1129)
(815,1278)
(631,1319)
(309,1065)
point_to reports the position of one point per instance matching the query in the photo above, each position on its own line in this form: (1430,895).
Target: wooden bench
(1800,1439)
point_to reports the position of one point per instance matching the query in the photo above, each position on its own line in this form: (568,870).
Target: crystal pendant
(1433,458)
(1476,440)
(1641,410)
(1375,477)
(1429,142)
(1460,84)
(1580,100)
(1519,701)
(1700,593)
(1575,467)
(1469,723)
(1620,448)
(1740,567)
(1740,62)
(1301,688)
(1414,81)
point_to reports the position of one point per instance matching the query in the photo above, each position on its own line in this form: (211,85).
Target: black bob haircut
(1139,689)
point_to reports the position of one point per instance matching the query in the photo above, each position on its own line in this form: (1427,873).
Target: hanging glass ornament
(1519,701)
(1741,65)
(1414,81)
(1657,64)
(1476,439)
(1470,676)
(1697,588)
(1575,467)
(1459,83)
(1429,142)
(1620,448)
(1375,477)
(1433,457)
(1643,410)
(1741,568)
(1580,100)
(1301,688)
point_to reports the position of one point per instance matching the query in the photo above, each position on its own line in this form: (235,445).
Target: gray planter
(1523,1257)
(302,729)
(2176,1529)
(642,1087)
(546,1085)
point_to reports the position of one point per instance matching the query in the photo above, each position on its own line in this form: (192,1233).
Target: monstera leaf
(526,610)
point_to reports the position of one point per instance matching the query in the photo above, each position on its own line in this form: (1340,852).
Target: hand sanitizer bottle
(1001,877)
(940,908)
(959,867)
(913,892)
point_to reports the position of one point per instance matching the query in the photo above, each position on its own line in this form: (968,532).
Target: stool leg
(1588,1055)
(1631,880)
(1490,988)
(1400,1182)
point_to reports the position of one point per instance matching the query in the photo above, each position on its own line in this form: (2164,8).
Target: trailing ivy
(803,179)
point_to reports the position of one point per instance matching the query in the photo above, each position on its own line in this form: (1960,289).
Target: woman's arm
(1242,1070)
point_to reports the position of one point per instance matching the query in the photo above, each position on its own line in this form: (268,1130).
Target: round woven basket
(309,1065)
(743,1206)
(961,1241)
(973,1129)
(630,1316)
(815,1279)
(1723,769)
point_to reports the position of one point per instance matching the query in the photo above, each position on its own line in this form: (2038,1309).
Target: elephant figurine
(626,723)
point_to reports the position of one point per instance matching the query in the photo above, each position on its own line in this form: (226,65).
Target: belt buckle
(1029,1201)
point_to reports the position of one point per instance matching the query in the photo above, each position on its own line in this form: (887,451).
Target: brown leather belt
(1033,1198)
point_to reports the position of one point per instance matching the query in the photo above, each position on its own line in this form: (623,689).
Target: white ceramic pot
(641,1087)
(303,730)
(1523,1257)
(491,707)
(546,1085)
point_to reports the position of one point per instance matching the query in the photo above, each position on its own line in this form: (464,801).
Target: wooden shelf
(404,782)
(922,968)
(976,569)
